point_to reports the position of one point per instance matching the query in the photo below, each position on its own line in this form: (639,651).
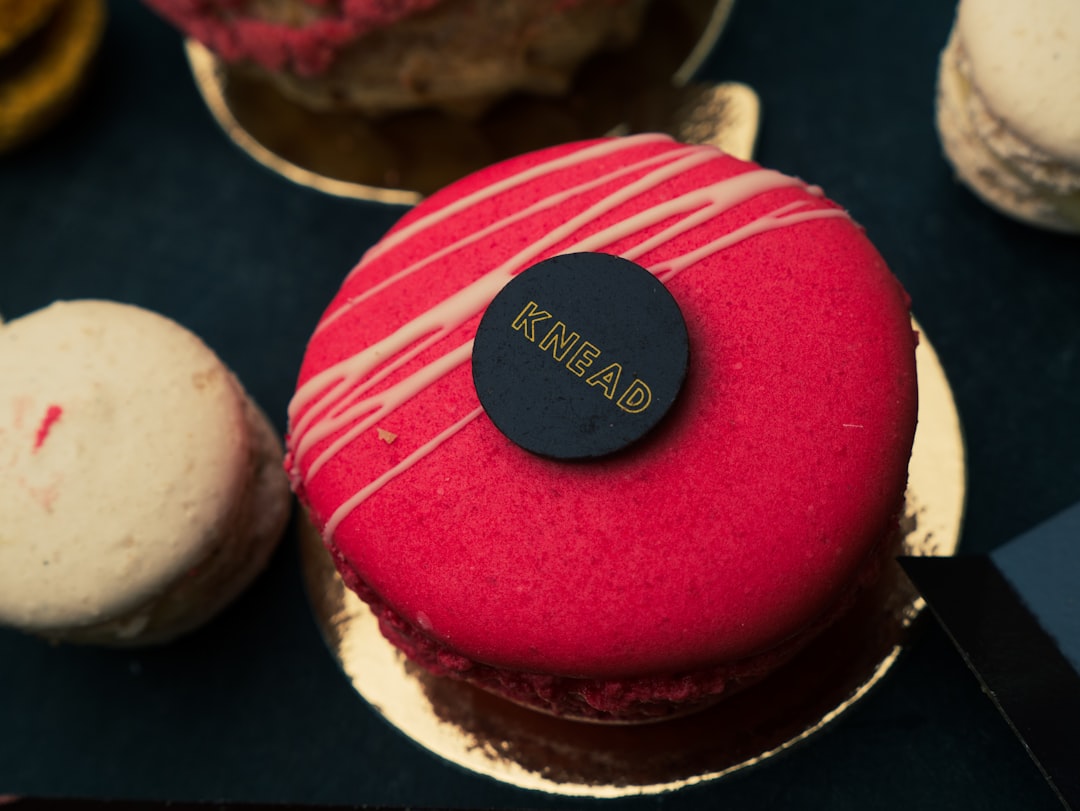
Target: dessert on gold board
(1008,107)
(140,486)
(400,157)
(681,569)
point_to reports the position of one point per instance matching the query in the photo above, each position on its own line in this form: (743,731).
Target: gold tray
(401,158)
(493,737)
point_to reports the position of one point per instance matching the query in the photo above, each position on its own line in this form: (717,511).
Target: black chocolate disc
(580,355)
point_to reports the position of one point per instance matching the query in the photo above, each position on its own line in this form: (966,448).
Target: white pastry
(1008,107)
(140,488)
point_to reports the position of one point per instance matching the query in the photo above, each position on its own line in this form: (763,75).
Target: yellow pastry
(40,77)
(21,18)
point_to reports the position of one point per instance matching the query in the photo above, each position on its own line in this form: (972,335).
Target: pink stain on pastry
(52,414)
(44,496)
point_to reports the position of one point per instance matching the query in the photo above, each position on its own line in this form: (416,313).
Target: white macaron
(1008,107)
(141,489)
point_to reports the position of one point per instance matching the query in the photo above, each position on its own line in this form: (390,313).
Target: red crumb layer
(305,41)
(235,32)
(727,536)
(634,699)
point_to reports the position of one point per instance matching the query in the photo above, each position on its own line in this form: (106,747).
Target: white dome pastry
(140,487)
(1008,107)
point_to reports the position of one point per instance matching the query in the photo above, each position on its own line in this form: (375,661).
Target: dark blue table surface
(140,197)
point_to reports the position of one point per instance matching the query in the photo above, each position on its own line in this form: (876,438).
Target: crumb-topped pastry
(391,55)
(140,486)
(681,568)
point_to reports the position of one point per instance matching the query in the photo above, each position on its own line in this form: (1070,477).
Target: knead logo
(560,341)
(580,355)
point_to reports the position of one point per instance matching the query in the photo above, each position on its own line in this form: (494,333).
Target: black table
(140,197)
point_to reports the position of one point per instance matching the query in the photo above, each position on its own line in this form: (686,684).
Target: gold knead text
(577,355)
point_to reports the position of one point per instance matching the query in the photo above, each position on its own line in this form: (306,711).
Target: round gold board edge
(527,749)
(400,159)
(47,66)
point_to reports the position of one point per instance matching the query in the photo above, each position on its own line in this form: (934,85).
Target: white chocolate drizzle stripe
(333,399)
(387,401)
(666,271)
(575,158)
(379,406)
(346,384)
(476,236)
(343,512)
(701,204)
(461,306)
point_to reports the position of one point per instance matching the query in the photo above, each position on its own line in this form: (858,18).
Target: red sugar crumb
(234,30)
(52,414)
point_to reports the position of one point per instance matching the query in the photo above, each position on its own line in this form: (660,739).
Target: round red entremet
(681,568)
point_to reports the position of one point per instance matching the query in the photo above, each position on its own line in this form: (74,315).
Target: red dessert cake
(382,56)
(681,568)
